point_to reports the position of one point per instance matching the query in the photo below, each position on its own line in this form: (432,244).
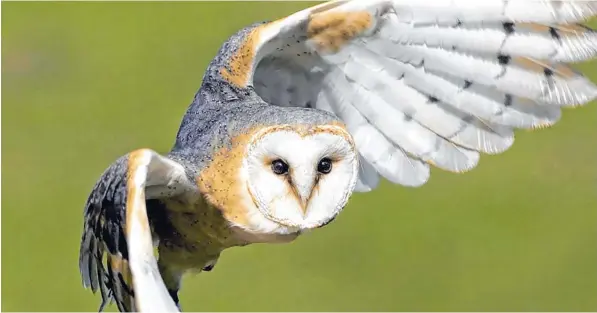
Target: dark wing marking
(422,85)
(104,230)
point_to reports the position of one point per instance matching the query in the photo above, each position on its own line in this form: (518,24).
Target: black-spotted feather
(438,81)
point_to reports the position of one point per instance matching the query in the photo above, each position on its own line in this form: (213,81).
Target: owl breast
(193,233)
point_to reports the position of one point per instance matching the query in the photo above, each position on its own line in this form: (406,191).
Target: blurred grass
(84,83)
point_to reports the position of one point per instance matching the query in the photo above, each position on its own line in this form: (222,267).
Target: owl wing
(422,83)
(150,291)
(116,224)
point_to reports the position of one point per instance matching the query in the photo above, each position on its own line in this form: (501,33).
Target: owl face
(298,177)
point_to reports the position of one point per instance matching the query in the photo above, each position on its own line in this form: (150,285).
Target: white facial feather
(302,197)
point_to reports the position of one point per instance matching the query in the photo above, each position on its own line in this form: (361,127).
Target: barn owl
(295,115)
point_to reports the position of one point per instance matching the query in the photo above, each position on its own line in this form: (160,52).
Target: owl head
(297,177)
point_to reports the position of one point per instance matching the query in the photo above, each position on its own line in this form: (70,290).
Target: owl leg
(172,278)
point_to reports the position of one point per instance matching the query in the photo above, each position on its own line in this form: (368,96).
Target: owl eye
(279,167)
(324,166)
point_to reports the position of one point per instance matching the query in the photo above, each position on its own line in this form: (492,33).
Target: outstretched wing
(422,83)
(116,224)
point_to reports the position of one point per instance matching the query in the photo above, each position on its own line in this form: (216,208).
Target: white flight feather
(151,294)
(434,81)
(390,161)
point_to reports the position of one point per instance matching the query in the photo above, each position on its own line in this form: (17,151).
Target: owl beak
(304,190)
(305,195)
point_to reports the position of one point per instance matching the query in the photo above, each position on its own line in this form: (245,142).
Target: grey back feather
(220,110)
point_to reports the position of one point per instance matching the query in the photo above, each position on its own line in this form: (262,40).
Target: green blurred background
(84,83)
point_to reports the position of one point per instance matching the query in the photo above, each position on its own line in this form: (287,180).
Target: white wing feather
(153,174)
(151,294)
(431,82)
